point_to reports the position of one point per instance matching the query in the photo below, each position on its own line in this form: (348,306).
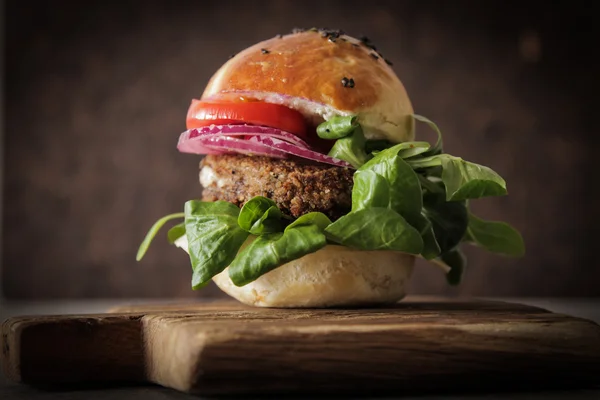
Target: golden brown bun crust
(308,65)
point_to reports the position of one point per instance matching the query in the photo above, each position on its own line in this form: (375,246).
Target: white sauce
(208,177)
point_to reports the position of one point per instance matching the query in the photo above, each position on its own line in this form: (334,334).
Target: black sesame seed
(331,35)
(279,36)
(349,83)
(364,39)
(388,62)
(231,56)
(264,51)
(372,47)
(374,56)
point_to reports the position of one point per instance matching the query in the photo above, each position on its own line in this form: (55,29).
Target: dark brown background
(96,94)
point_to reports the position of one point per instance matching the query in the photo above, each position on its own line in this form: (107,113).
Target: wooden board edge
(220,361)
(10,359)
(171,352)
(45,350)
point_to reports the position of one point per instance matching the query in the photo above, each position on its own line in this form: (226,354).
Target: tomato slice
(203,113)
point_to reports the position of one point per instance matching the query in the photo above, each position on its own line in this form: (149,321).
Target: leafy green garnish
(260,215)
(337,127)
(431,248)
(370,190)
(449,219)
(312,218)
(351,148)
(375,228)
(438,147)
(457,262)
(214,237)
(404,187)
(497,237)
(176,232)
(404,192)
(152,233)
(411,149)
(270,251)
(463,180)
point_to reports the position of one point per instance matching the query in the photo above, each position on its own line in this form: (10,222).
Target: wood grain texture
(228,348)
(58,349)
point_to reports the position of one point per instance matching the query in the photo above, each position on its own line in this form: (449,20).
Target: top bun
(305,70)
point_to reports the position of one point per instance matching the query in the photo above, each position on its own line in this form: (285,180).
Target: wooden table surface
(584,308)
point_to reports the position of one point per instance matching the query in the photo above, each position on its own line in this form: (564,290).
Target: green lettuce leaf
(497,237)
(214,237)
(438,147)
(176,232)
(312,218)
(431,248)
(152,233)
(375,228)
(370,190)
(463,180)
(407,149)
(457,262)
(411,149)
(449,219)
(404,187)
(388,180)
(260,215)
(337,127)
(270,251)
(351,148)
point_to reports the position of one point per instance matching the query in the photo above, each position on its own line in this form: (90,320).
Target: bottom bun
(332,276)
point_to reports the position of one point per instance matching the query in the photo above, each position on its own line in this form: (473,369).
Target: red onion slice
(192,146)
(225,144)
(243,130)
(263,141)
(298,151)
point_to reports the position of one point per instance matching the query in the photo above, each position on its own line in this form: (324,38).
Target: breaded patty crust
(296,187)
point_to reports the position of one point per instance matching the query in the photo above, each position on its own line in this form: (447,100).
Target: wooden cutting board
(226,348)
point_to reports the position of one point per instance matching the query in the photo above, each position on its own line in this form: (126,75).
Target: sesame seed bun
(321,74)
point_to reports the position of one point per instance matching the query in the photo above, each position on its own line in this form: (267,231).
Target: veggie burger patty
(296,187)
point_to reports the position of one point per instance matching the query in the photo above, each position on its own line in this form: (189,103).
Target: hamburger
(315,192)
